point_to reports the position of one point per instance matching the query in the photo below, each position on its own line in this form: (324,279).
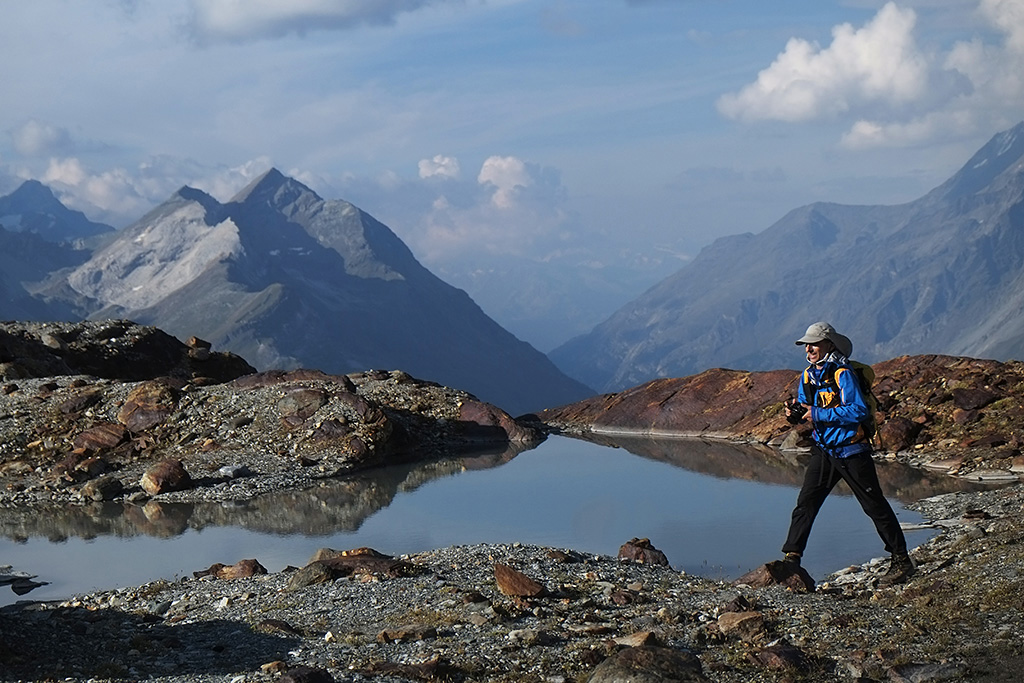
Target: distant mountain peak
(33,207)
(34,194)
(275,189)
(1003,152)
(213,208)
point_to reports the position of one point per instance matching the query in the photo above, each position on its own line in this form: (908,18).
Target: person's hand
(795,412)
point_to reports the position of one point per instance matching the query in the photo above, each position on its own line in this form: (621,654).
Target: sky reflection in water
(714,509)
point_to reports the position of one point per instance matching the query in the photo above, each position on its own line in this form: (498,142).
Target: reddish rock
(781,657)
(964,417)
(102,437)
(165,476)
(722,402)
(973,399)
(407,634)
(80,401)
(898,433)
(516,584)
(639,639)
(242,569)
(148,404)
(778,573)
(479,421)
(748,626)
(641,550)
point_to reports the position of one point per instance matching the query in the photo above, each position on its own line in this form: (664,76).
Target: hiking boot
(792,559)
(901,568)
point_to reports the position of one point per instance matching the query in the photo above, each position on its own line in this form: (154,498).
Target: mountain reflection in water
(716,509)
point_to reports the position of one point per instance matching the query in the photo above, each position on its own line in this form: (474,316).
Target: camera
(796,412)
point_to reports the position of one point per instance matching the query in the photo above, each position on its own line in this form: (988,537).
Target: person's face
(817,351)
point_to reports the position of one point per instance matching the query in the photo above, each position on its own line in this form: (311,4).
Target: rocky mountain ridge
(959,415)
(941,274)
(287,279)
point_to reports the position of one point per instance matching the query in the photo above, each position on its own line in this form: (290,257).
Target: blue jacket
(838,415)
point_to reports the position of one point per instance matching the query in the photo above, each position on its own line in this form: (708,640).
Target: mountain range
(285,279)
(940,274)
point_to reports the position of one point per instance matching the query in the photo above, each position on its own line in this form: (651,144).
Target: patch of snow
(1007,143)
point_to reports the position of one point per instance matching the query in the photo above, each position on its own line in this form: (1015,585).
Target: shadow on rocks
(39,643)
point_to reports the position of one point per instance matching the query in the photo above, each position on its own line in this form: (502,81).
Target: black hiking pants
(858,471)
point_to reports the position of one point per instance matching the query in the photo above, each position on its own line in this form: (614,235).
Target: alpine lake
(715,509)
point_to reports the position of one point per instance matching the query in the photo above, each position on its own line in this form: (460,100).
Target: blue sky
(520,128)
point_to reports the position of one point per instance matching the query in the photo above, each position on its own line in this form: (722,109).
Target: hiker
(830,397)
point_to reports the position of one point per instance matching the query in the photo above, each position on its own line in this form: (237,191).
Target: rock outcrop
(962,415)
(101,411)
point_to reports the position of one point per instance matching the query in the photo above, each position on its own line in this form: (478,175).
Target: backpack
(865,375)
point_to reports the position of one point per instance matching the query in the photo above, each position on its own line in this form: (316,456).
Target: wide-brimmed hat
(818,332)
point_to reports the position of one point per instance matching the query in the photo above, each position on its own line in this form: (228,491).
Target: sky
(621,131)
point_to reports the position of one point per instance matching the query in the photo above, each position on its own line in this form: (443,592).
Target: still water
(715,509)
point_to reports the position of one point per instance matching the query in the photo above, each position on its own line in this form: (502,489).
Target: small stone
(639,639)
(748,626)
(234,472)
(778,573)
(102,488)
(516,584)
(167,475)
(641,550)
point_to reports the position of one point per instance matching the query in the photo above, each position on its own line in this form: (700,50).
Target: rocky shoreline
(557,615)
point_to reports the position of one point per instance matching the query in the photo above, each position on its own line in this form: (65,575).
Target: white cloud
(440,165)
(119,196)
(38,139)
(508,175)
(223,184)
(1008,16)
(510,207)
(235,20)
(102,196)
(992,98)
(877,64)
